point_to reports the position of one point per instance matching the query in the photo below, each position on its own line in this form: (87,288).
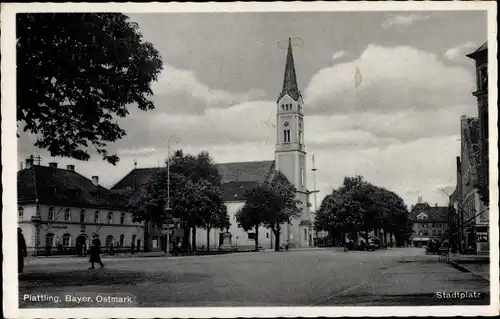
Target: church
(238,178)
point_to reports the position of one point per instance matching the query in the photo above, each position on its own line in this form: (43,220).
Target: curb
(463,268)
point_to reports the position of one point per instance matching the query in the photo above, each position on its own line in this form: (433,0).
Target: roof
(482,48)
(290,86)
(62,187)
(237,178)
(434,213)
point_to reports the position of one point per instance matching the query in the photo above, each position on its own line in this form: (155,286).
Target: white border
(9,159)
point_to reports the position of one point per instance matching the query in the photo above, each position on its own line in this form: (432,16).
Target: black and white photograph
(296,159)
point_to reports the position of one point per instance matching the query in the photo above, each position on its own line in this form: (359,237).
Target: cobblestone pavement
(404,276)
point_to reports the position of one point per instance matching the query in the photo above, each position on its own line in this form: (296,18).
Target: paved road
(327,277)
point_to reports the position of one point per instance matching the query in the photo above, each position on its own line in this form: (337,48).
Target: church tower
(290,154)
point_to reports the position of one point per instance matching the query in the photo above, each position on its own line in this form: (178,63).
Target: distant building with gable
(429,223)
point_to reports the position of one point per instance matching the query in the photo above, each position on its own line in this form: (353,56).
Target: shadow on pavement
(101,277)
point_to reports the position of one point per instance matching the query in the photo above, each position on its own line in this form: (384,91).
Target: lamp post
(315,191)
(168,208)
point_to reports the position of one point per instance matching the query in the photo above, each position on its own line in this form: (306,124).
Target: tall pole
(314,192)
(168,208)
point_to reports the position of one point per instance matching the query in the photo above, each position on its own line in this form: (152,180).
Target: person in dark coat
(95,251)
(22,251)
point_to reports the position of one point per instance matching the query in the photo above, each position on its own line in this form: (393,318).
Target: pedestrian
(49,248)
(286,246)
(95,251)
(132,247)
(22,251)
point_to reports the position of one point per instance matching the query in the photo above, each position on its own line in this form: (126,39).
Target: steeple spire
(290,86)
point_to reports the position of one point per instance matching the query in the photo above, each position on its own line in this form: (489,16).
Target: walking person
(95,251)
(22,251)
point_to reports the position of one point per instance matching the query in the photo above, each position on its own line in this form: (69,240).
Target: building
(429,222)
(480,56)
(238,178)
(473,213)
(59,210)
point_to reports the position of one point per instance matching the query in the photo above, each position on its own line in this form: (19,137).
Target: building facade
(59,210)
(474,213)
(480,56)
(429,223)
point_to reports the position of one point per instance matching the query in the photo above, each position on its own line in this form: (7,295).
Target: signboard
(36,218)
(168,226)
(166,231)
(482,237)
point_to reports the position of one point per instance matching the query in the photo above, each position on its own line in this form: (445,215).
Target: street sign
(166,231)
(168,226)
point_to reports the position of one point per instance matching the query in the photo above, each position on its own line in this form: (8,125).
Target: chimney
(70,168)
(29,162)
(95,181)
(53,164)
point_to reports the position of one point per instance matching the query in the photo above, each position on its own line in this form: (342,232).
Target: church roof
(237,178)
(290,86)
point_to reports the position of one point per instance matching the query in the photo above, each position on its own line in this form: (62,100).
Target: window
(96,217)
(301,176)
(67,215)
(122,218)
(109,241)
(154,243)
(251,236)
(66,240)
(110,217)
(284,136)
(301,137)
(283,107)
(49,239)
(287,136)
(122,240)
(51,213)
(20,213)
(305,233)
(267,235)
(433,233)
(482,78)
(82,216)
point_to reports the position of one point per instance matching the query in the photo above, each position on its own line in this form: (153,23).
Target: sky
(399,129)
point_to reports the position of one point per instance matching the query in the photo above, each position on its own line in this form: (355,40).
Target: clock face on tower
(286,123)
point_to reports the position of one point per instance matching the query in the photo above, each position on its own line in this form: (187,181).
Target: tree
(249,216)
(357,207)
(77,73)
(280,205)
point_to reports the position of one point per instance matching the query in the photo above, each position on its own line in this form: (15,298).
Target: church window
(287,136)
(302,177)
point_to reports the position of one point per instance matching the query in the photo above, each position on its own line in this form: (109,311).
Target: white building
(238,178)
(61,209)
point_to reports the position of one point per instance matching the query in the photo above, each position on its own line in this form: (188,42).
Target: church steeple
(290,86)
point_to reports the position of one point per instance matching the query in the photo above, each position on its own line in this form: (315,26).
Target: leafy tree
(357,207)
(250,215)
(77,73)
(280,205)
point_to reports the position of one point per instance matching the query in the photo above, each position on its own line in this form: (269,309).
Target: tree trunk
(257,238)
(208,238)
(193,242)
(277,241)
(185,239)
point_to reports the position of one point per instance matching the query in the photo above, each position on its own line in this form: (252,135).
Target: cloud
(338,55)
(394,78)
(458,52)
(181,91)
(402,20)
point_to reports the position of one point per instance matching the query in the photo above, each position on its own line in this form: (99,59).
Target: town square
(254,159)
